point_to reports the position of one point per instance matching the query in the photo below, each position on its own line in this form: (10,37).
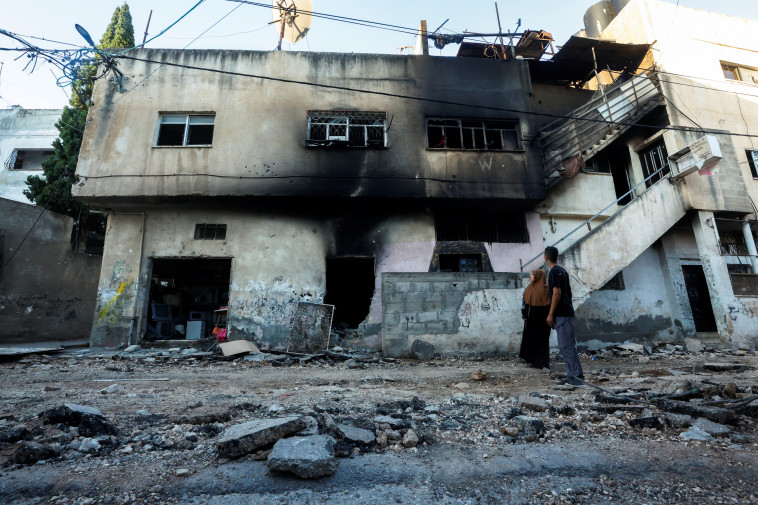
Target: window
(210,232)
(27,159)
(185,130)
(346,128)
(739,73)
(463,226)
(473,134)
(655,158)
(739,268)
(752,160)
(615,284)
(460,263)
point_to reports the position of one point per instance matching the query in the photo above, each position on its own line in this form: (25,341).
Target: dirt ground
(513,437)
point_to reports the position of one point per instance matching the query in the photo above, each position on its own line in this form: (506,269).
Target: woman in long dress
(535,342)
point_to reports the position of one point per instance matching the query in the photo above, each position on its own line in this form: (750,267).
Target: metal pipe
(750,241)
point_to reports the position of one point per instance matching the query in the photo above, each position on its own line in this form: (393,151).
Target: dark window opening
(343,128)
(460,263)
(95,241)
(475,226)
(655,158)
(731,72)
(473,134)
(210,232)
(186,130)
(733,243)
(187,298)
(615,284)
(752,160)
(700,298)
(739,269)
(350,284)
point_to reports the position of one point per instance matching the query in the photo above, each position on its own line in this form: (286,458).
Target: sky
(247,27)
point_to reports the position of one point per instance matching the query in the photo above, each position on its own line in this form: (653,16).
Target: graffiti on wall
(117,297)
(476,305)
(64,308)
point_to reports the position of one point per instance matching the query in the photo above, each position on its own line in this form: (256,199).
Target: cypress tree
(119,33)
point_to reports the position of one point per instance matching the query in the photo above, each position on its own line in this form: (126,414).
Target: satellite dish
(292,19)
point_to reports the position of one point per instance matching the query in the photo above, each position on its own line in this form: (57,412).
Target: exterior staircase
(600,121)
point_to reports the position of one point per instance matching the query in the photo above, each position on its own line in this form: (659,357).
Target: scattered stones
(678,420)
(113,388)
(393,422)
(730,390)
(722,416)
(693,345)
(478,375)
(532,403)
(646,422)
(511,431)
(311,427)
(245,438)
(696,434)
(132,348)
(90,421)
(12,434)
(28,453)
(306,457)
(89,446)
(181,472)
(422,350)
(529,423)
(410,439)
(715,429)
(355,435)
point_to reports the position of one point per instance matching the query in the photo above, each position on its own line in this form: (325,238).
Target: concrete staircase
(595,258)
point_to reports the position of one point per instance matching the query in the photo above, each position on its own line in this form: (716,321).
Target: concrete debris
(89,446)
(729,390)
(478,375)
(696,434)
(532,403)
(113,388)
(12,434)
(410,439)
(355,435)
(693,345)
(715,429)
(422,350)
(724,367)
(715,414)
(132,348)
(248,437)
(90,421)
(28,453)
(181,472)
(306,457)
(311,427)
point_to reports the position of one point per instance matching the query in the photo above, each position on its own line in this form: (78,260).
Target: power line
(430,100)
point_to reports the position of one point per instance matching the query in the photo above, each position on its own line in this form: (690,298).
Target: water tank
(598,17)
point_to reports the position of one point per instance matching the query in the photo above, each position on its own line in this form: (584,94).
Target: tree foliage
(119,33)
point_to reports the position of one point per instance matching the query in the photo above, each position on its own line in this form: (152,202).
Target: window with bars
(473,134)
(615,284)
(655,158)
(185,130)
(27,159)
(210,232)
(346,128)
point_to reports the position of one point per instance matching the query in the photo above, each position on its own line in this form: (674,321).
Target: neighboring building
(418,218)
(26,140)
(677,257)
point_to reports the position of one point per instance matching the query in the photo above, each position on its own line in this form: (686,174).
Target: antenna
(293,18)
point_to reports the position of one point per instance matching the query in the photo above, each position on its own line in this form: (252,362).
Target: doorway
(349,287)
(700,298)
(186,297)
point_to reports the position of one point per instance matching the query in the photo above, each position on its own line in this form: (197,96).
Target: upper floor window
(27,159)
(185,130)
(752,160)
(346,128)
(210,232)
(473,134)
(739,73)
(654,158)
(462,225)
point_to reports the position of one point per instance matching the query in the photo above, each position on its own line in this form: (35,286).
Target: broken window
(460,263)
(346,128)
(186,130)
(655,158)
(27,159)
(473,134)
(473,226)
(210,232)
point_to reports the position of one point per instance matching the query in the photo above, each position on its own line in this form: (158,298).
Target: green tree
(119,33)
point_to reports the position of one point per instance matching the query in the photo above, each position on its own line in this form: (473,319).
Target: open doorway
(349,287)
(700,298)
(187,297)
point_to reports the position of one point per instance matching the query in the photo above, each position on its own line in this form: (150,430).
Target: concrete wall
(259,138)
(458,313)
(23,129)
(47,292)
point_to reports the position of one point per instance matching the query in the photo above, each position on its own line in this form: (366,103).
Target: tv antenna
(293,18)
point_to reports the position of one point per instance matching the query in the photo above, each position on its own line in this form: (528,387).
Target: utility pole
(422,42)
(148,26)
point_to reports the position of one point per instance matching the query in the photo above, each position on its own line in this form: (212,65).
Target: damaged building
(414,193)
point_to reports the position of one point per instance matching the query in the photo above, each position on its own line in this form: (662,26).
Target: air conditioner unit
(702,154)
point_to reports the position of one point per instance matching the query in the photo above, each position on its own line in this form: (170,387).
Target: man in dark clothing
(561,316)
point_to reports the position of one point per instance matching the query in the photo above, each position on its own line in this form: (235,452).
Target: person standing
(535,306)
(561,316)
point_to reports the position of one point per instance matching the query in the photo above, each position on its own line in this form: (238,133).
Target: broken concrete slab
(715,414)
(393,422)
(696,434)
(714,429)
(355,435)
(532,403)
(306,457)
(422,350)
(90,421)
(723,367)
(236,347)
(529,423)
(28,453)
(693,345)
(12,434)
(248,437)
(678,420)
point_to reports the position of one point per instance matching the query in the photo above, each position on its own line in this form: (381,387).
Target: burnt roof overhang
(574,62)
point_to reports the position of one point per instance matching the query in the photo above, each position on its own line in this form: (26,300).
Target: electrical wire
(430,100)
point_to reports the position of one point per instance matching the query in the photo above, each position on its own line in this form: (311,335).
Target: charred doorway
(350,285)
(187,298)
(700,298)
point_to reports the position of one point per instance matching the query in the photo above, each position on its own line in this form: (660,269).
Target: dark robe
(535,342)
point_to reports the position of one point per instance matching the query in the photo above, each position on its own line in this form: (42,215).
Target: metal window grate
(27,159)
(210,232)
(346,128)
(473,134)
(615,284)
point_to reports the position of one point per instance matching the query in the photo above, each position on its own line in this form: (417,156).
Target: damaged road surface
(661,427)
